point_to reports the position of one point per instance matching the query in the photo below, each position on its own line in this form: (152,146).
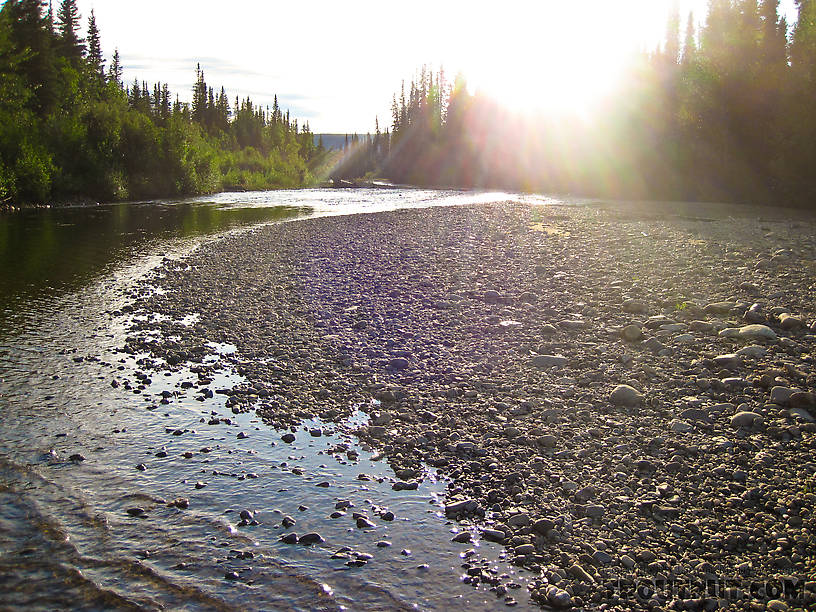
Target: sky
(337,64)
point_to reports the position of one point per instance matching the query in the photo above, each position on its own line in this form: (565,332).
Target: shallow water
(68,541)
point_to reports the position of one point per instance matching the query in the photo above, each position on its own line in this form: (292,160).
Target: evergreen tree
(71,45)
(95,59)
(690,41)
(115,70)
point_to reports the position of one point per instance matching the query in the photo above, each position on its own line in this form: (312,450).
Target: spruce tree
(71,45)
(115,70)
(95,47)
(690,42)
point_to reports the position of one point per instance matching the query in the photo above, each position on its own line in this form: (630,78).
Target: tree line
(723,111)
(71,129)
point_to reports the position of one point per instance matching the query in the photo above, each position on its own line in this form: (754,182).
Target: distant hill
(332,141)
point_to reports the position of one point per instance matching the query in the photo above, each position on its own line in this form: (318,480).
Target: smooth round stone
(624,395)
(311,538)
(757,332)
(632,333)
(745,419)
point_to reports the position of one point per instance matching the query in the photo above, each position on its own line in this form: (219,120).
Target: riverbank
(584,375)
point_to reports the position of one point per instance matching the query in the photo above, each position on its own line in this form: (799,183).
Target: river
(82,527)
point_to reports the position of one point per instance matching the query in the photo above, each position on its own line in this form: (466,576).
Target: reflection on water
(48,251)
(69,538)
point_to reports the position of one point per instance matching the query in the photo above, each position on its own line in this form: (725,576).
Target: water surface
(69,537)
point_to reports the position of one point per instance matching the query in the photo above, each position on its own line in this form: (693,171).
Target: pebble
(678,426)
(364,523)
(632,333)
(548,361)
(745,419)
(624,395)
(310,538)
(288,437)
(757,332)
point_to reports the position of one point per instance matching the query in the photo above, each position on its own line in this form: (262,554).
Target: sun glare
(556,58)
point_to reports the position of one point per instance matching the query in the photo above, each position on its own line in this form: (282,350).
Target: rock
(585,494)
(602,557)
(801,413)
(632,333)
(141,467)
(311,538)
(462,537)
(524,549)
(543,525)
(776,605)
(635,306)
(182,503)
(572,324)
(730,361)
(781,395)
(701,327)
(757,332)
(594,511)
(695,414)
(493,535)
(547,441)
(627,561)
(548,361)
(754,314)
(136,511)
(803,399)
(579,573)
(558,598)
(287,521)
(789,322)
(745,419)
(624,395)
(753,351)
(467,505)
(288,437)
(289,538)
(247,516)
(405,486)
(522,519)
(77,457)
(720,308)
(364,523)
(678,426)
(398,363)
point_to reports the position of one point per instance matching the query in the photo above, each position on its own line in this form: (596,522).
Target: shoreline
(494,338)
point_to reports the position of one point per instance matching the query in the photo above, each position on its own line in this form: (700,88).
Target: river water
(98,533)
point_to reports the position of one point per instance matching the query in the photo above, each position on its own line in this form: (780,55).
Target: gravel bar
(616,394)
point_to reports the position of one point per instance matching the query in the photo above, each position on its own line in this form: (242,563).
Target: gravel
(611,391)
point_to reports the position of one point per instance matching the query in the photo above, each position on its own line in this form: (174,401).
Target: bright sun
(555,57)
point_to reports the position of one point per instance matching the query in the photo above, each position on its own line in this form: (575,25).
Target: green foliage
(723,117)
(70,130)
